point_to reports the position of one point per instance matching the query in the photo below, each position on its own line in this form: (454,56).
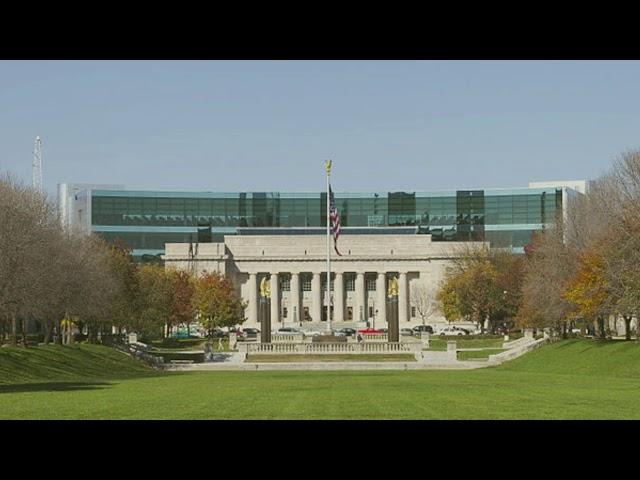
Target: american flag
(334,216)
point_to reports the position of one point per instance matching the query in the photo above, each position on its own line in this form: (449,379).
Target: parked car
(346,331)
(453,331)
(311,333)
(218,333)
(251,332)
(287,331)
(406,331)
(370,330)
(423,328)
(239,335)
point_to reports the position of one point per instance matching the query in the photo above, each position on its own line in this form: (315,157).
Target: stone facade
(296,267)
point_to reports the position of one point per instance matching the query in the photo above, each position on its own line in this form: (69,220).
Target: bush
(35,337)
(170,343)
(113,339)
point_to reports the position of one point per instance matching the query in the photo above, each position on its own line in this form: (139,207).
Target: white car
(311,333)
(451,331)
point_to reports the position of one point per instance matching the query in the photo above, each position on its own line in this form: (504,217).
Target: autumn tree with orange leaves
(587,291)
(216,301)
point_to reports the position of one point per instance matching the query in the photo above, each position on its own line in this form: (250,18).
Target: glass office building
(146,220)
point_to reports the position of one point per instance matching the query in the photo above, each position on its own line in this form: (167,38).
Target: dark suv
(347,331)
(251,332)
(423,328)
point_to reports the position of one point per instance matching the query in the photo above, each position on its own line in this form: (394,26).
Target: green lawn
(437,344)
(577,379)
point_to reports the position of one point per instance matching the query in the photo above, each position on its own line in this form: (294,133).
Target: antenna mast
(37,165)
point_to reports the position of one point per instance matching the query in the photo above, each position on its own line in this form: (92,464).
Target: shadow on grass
(53,387)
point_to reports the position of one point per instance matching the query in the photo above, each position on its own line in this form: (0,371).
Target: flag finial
(327,166)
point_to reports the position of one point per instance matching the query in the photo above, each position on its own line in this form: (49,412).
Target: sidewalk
(454,365)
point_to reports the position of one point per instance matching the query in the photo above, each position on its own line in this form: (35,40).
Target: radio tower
(37,165)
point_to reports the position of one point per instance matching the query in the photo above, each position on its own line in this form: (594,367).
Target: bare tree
(424,299)
(46,274)
(27,220)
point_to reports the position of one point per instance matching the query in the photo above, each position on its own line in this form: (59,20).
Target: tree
(28,227)
(424,299)
(548,268)
(217,302)
(621,202)
(448,300)
(125,306)
(155,300)
(182,305)
(588,290)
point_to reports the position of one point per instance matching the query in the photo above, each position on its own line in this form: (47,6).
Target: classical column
(275,298)
(338,298)
(360,313)
(403,308)
(295,311)
(316,298)
(252,307)
(381,298)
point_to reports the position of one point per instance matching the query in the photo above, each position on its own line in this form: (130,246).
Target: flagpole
(327,167)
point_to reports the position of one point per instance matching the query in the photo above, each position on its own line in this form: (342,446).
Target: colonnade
(295,303)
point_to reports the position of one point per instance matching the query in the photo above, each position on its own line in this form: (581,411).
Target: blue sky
(269,125)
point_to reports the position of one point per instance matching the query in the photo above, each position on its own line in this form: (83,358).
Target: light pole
(504,301)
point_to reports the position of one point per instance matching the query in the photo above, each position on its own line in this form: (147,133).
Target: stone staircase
(517,343)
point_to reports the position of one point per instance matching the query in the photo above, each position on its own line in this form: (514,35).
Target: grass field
(576,379)
(437,344)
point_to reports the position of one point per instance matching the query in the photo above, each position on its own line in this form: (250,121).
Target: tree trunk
(601,329)
(92,336)
(69,332)
(627,327)
(59,332)
(14,330)
(47,331)
(23,324)
(564,330)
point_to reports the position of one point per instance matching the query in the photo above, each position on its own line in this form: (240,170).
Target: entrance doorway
(324,313)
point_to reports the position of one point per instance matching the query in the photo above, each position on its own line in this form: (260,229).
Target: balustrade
(334,348)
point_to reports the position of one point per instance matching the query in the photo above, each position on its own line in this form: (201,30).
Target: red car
(370,330)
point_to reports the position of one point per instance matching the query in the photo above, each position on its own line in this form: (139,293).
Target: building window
(285,283)
(350,281)
(413,312)
(306,283)
(306,314)
(349,313)
(370,312)
(371,284)
(323,282)
(284,312)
